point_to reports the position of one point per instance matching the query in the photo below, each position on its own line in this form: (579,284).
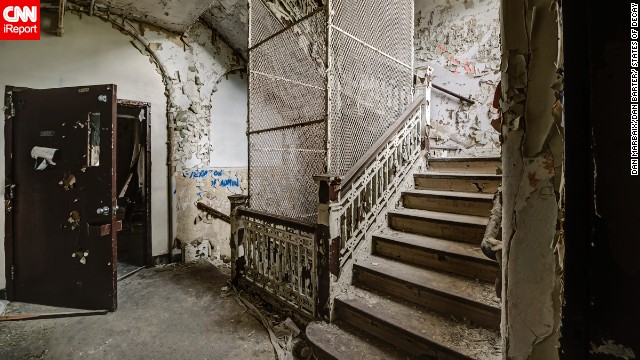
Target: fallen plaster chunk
(609,347)
(196,249)
(3,306)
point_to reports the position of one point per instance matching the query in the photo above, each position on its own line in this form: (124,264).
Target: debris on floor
(3,306)
(54,315)
(287,338)
(162,311)
(195,250)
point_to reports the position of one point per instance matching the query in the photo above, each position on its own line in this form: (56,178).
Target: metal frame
(148,254)
(282,101)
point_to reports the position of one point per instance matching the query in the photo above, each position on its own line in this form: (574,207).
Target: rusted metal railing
(275,255)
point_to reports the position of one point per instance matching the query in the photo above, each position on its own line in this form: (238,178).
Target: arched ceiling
(228,17)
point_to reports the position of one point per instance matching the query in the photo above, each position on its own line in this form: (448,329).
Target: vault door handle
(103,210)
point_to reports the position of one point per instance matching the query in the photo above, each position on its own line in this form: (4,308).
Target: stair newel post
(235,241)
(328,242)
(423,89)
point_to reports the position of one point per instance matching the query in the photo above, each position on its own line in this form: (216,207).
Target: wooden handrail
(365,160)
(278,219)
(208,209)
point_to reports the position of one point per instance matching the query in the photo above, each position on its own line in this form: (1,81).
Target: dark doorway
(133,184)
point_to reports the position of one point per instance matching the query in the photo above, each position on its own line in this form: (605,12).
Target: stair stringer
(362,251)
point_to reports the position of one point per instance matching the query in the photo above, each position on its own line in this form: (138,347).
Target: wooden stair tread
(450,194)
(342,341)
(468,341)
(453,248)
(465,175)
(449,285)
(441,216)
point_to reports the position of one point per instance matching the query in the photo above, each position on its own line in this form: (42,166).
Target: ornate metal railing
(293,260)
(349,206)
(277,256)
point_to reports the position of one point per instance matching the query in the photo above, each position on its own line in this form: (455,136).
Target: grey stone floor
(167,312)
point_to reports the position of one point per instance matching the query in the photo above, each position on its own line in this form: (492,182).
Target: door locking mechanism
(103,210)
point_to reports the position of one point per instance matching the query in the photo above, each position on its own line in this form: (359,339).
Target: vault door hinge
(13,272)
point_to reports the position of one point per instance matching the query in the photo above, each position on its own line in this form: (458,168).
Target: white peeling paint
(461,41)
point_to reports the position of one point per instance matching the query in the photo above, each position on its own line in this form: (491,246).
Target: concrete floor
(168,312)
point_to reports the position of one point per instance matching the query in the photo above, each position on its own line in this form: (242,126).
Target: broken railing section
(275,255)
(349,206)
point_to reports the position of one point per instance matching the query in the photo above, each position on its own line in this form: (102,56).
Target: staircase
(426,291)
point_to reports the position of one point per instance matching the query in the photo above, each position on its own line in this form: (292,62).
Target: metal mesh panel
(386,25)
(282,164)
(287,77)
(296,54)
(287,97)
(263,23)
(368,92)
(276,103)
(370,49)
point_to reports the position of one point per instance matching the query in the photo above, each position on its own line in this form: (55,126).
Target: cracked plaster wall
(461,41)
(231,19)
(192,65)
(178,80)
(174,15)
(533,155)
(213,189)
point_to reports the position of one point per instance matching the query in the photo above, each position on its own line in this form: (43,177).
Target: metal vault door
(60,196)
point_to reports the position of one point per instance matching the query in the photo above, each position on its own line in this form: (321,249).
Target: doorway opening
(133,186)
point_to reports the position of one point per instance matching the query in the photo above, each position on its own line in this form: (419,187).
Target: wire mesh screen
(370,82)
(282,164)
(265,23)
(287,91)
(367,85)
(386,25)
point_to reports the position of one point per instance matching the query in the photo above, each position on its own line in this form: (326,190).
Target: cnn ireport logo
(19,19)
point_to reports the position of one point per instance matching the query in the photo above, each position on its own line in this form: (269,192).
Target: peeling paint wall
(461,41)
(191,64)
(231,19)
(533,180)
(174,15)
(177,75)
(211,187)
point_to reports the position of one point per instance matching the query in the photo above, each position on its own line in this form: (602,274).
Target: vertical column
(327,242)
(235,241)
